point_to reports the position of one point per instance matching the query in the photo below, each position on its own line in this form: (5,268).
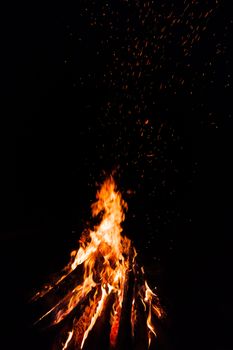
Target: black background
(53,153)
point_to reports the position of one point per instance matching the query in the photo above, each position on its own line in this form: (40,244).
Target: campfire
(102,278)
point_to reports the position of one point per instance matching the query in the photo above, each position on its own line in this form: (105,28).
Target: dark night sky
(140,87)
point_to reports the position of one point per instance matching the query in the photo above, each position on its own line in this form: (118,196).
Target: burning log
(111,279)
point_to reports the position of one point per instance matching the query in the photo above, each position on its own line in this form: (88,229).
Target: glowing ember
(107,260)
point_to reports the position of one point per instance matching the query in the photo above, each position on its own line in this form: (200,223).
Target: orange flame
(105,256)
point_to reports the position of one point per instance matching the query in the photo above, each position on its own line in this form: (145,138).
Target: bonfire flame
(107,258)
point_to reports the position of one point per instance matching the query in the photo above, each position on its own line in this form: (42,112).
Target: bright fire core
(108,276)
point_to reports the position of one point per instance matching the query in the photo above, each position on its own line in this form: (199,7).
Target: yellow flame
(70,335)
(97,314)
